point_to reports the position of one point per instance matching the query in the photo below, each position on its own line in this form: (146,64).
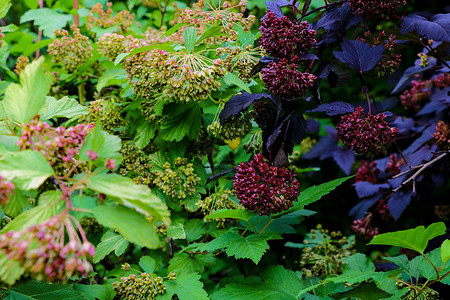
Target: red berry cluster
(364,228)
(6,190)
(395,163)
(376,8)
(365,133)
(442,135)
(442,81)
(265,189)
(285,80)
(282,38)
(367,172)
(415,97)
(42,253)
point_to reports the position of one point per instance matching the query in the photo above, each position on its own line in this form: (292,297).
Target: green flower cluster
(233,128)
(242,60)
(324,251)
(21,63)
(135,164)
(219,200)
(90,225)
(254,145)
(143,286)
(202,144)
(177,180)
(111,45)
(105,19)
(107,112)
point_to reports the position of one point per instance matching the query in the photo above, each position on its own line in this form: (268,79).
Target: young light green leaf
(364,291)
(47,19)
(233,79)
(62,108)
(186,287)
(17,203)
(182,120)
(131,224)
(240,214)
(110,77)
(426,268)
(445,251)
(195,229)
(4,7)
(125,191)
(10,270)
(9,28)
(176,231)
(28,169)
(415,239)
(41,290)
(211,32)
(148,264)
(23,101)
(173,29)
(110,242)
(104,144)
(190,37)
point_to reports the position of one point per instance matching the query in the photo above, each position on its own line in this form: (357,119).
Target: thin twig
(322,7)
(407,171)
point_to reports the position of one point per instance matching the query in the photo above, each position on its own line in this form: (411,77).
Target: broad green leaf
(9,28)
(232,213)
(48,206)
(110,242)
(17,203)
(10,270)
(182,263)
(186,287)
(195,229)
(415,239)
(426,269)
(173,29)
(166,47)
(409,267)
(4,7)
(176,231)
(131,224)
(23,101)
(182,120)
(28,169)
(190,37)
(36,46)
(148,264)
(106,145)
(144,133)
(110,77)
(93,291)
(125,191)
(233,79)
(211,32)
(445,251)
(314,193)
(41,290)
(47,19)
(62,108)
(364,291)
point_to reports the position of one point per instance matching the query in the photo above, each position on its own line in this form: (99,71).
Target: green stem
(254,229)
(82,94)
(434,267)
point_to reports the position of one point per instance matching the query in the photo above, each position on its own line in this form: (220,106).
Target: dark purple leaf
(276,133)
(268,59)
(332,132)
(334,108)
(312,125)
(424,153)
(338,76)
(275,8)
(338,19)
(298,128)
(382,163)
(282,3)
(404,126)
(322,147)
(410,72)
(345,159)
(307,56)
(431,108)
(360,209)
(442,96)
(437,28)
(323,69)
(425,137)
(366,189)
(359,55)
(398,202)
(239,103)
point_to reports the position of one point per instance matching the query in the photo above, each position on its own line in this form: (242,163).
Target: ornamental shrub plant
(224,149)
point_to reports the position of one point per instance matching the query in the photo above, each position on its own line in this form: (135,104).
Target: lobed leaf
(437,28)
(359,55)
(232,214)
(239,103)
(445,251)
(186,287)
(62,108)
(40,290)
(47,19)
(110,242)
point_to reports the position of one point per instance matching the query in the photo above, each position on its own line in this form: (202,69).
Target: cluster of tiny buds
(111,45)
(366,133)
(324,251)
(219,200)
(2,35)
(233,128)
(6,190)
(394,164)
(242,60)
(107,112)
(265,189)
(418,292)
(135,163)
(105,19)
(142,286)
(442,135)
(254,145)
(177,180)
(442,81)
(376,8)
(71,52)
(418,95)
(90,225)
(21,63)
(42,252)
(364,228)
(367,172)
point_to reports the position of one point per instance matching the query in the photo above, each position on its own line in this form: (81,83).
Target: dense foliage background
(213,149)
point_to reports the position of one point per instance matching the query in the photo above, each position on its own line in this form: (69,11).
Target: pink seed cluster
(285,80)
(6,190)
(364,228)
(415,97)
(442,81)
(376,8)
(442,135)
(42,252)
(367,172)
(265,189)
(282,38)
(365,133)
(104,18)
(395,163)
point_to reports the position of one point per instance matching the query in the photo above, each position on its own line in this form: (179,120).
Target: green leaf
(426,269)
(173,29)
(110,242)
(92,292)
(48,207)
(9,28)
(148,264)
(415,239)
(182,120)
(38,45)
(411,268)
(110,77)
(125,191)
(364,291)
(183,263)
(233,79)
(166,47)
(144,133)
(40,290)
(190,37)
(106,145)
(445,251)
(23,101)
(62,108)
(195,229)
(211,32)
(4,7)
(176,231)
(131,224)
(232,214)
(28,169)
(313,194)
(17,203)
(186,287)
(10,270)
(47,19)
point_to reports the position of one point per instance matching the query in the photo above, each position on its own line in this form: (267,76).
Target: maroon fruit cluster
(376,8)
(395,163)
(282,38)
(416,97)
(367,172)
(6,190)
(364,228)
(442,81)
(442,135)
(285,80)
(265,189)
(365,133)
(41,251)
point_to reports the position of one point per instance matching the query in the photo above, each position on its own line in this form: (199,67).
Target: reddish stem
(76,18)
(41,6)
